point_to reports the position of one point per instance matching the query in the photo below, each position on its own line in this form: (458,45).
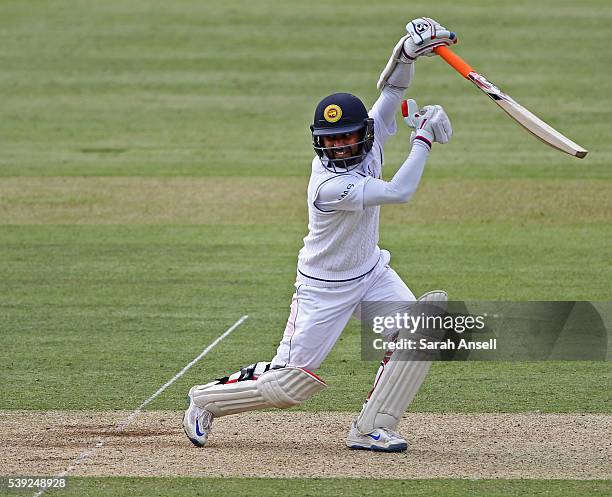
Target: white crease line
(124,424)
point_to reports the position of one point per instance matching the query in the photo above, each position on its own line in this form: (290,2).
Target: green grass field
(154,162)
(328,487)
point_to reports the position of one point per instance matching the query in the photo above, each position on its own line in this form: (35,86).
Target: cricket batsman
(341,264)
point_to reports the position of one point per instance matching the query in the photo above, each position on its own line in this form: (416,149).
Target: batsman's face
(346,143)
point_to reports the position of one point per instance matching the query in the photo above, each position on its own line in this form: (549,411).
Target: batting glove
(425,34)
(430,123)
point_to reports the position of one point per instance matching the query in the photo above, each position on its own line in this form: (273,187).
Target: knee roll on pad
(288,387)
(283,387)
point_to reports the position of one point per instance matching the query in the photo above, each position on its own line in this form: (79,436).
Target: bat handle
(458,64)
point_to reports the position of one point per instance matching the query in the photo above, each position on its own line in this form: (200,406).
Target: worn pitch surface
(306,444)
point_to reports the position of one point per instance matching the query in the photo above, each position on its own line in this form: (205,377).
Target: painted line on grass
(122,425)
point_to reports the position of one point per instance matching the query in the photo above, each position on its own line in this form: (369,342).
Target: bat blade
(526,118)
(516,111)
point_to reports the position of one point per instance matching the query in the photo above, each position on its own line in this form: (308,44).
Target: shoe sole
(391,448)
(194,441)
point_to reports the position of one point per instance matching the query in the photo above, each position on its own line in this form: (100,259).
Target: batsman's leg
(398,379)
(255,387)
(316,320)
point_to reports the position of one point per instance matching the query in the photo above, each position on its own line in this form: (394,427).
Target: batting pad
(284,387)
(400,380)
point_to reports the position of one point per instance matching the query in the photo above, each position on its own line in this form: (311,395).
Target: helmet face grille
(346,163)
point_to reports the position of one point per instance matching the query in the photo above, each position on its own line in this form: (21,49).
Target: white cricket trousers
(318,315)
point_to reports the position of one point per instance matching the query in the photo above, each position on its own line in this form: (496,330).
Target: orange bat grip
(459,65)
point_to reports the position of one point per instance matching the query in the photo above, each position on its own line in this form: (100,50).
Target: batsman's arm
(393,82)
(386,105)
(404,183)
(423,37)
(430,124)
(351,192)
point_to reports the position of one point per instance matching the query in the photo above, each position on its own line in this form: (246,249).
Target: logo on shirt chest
(346,191)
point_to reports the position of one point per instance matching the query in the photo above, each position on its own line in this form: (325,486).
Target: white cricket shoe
(381,439)
(197,422)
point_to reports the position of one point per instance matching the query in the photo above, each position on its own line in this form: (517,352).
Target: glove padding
(430,124)
(425,34)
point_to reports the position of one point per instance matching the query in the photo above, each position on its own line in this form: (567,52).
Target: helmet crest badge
(332,113)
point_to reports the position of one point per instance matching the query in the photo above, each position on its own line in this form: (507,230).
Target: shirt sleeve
(403,185)
(348,192)
(383,112)
(343,192)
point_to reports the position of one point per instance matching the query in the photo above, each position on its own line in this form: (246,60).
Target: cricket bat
(516,111)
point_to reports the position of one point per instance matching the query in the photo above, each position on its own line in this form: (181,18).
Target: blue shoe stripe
(197,427)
